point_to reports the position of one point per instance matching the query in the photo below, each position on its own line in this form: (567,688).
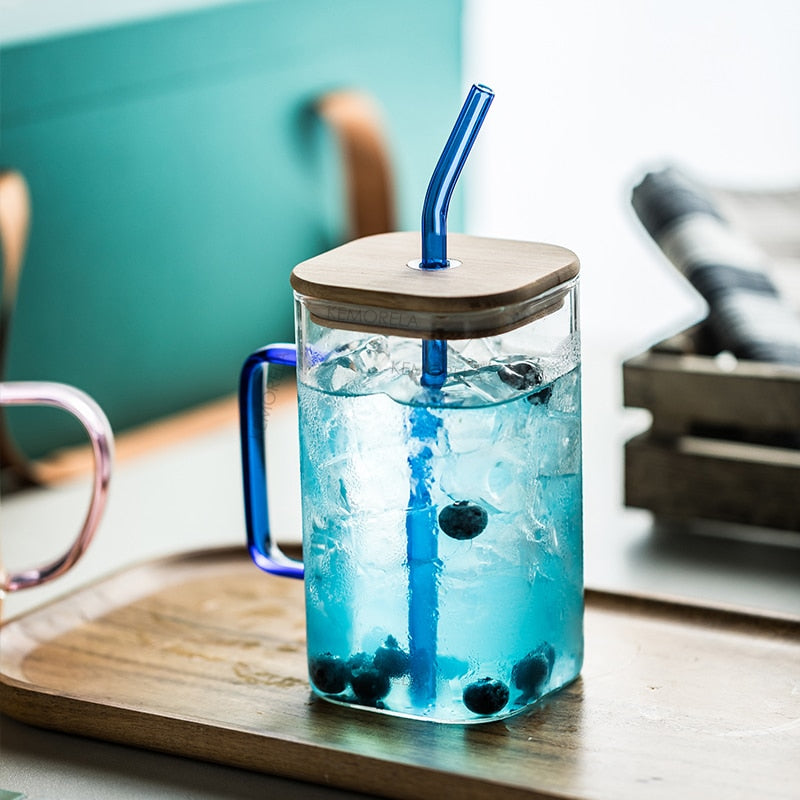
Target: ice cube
(367,451)
(555,441)
(475,387)
(403,388)
(504,486)
(557,507)
(350,366)
(492,479)
(335,374)
(459,361)
(468,430)
(482,351)
(462,476)
(566,396)
(496,382)
(372,356)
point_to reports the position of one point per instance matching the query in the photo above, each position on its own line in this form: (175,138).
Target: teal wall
(176,179)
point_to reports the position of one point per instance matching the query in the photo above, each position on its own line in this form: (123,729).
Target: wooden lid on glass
(492,286)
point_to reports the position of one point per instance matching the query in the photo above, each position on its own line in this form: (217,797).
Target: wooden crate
(724,443)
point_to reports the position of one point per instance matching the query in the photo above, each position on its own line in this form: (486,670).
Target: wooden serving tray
(202,655)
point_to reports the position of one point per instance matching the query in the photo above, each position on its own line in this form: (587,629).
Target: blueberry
(486,696)
(368,682)
(358,662)
(463,520)
(370,685)
(390,659)
(531,673)
(328,673)
(521,375)
(541,397)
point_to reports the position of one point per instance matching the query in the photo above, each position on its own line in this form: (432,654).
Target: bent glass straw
(421,521)
(436,207)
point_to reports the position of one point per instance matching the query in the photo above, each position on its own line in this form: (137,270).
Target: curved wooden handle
(355,121)
(15,214)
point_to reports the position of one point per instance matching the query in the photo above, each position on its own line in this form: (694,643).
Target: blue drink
(440,470)
(499,451)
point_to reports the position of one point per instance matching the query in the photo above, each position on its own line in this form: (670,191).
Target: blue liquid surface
(506,605)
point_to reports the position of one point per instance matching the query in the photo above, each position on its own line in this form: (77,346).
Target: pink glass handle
(91,416)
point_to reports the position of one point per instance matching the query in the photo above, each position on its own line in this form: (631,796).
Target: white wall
(589,95)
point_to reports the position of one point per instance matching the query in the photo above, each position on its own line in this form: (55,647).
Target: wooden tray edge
(302,761)
(328,766)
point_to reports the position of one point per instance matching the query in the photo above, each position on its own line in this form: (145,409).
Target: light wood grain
(497,278)
(690,477)
(356,121)
(723,444)
(203,656)
(15,214)
(684,389)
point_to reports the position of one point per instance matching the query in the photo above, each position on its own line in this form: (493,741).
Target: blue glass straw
(445,175)
(421,521)
(436,206)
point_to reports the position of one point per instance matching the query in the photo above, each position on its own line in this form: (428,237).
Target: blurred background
(588,98)
(593,95)
(178,168)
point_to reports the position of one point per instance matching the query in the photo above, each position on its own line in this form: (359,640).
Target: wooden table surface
(185,494)
(203,656)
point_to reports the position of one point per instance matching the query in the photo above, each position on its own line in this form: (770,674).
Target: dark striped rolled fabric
(747,314)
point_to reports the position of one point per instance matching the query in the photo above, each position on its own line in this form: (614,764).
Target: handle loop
(91,416)
(355,120)
(264,552)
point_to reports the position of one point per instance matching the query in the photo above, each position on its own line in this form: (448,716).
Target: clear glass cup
(442,527)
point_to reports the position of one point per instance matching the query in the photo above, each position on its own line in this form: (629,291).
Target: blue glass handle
(264,552)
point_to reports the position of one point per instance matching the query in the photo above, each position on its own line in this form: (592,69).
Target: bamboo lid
(499,285)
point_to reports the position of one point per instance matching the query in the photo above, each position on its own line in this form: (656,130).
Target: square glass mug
(442,524)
